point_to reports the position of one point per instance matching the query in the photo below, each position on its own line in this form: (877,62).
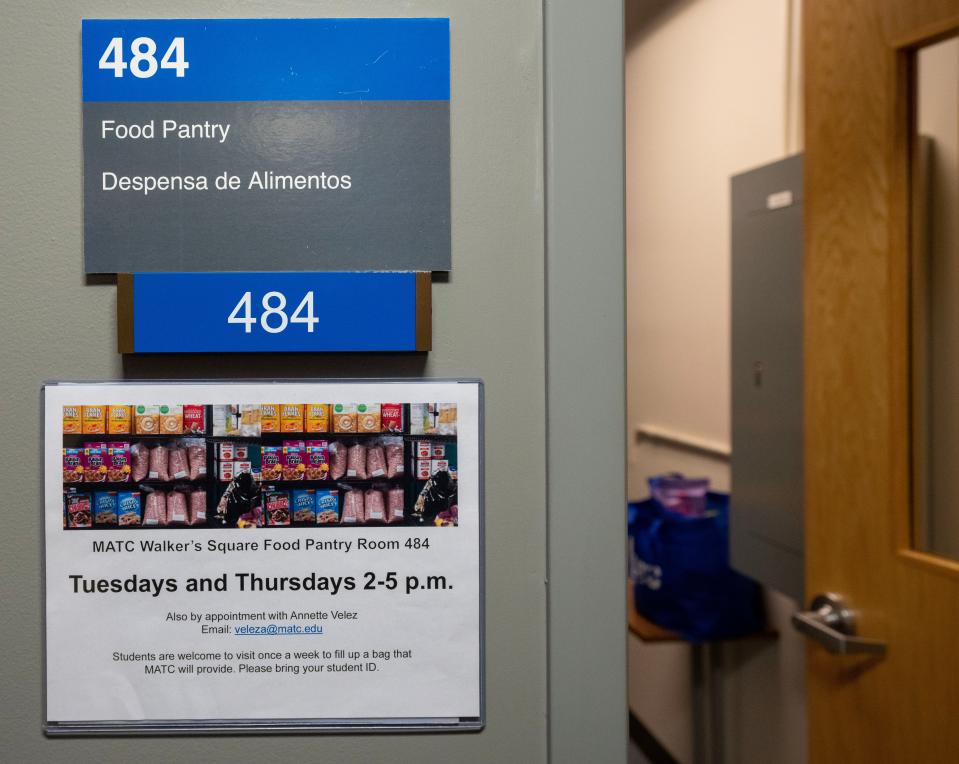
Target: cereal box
(227,451)
(73,465)
(293,460)
(344,417)
(146,420)
(94,420)
(367,417)
(79,510)
(270,467)
(439,465)
(118,462)
(304,505)
(128,508)
(171,420)
(424,449)
(240,467)
(327,507)
(291,417)
(118,420)
(438,451)
(317,460)
(194,419)
(391,417)
(105,508)
(94,464)
(270,417)
(423,469)
(277,506)
(317,417)
(72,420)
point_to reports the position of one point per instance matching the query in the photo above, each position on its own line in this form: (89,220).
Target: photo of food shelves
(270,465)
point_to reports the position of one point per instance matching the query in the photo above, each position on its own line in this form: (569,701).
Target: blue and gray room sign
(266,145)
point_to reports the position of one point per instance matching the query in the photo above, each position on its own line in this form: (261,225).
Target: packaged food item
(391,417)
(197,507)
(176,508)
(344,417)
(317,417)
(118,420)
(72,420)
(292,460)
(422,419)
(438,451)
(105,508)
(277,505)
(367,417)
(337,460)
(317,460)
(270,468)
(94,463)
(146,420)
(423,469)
(375,506)
(194,419)
(94,420)
(226,420)
(227,471)
(179,467)
(226,451)
(424,449)
(376,461)
(447,517)
(240,467)
(270,417)
(128,508)
(446,418)
(291,417)
(241,452)
(356,462)
(196,457)
(140,456)
(79,512)
(73,465)
(171,420)
(327,506)
(154,508)
(304,505)
(395,504)
(439,465)
(353,506)
(394,457)
(159,463)
(118,462)
(250,415)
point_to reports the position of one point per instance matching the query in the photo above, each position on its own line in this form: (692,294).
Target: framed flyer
(234,557)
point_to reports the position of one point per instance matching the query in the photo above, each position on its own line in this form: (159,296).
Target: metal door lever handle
(833,625)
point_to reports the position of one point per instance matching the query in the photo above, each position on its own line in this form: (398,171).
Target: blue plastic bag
(681,574)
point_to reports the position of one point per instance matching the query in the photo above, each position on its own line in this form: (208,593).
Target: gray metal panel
(766,518)
(586,381)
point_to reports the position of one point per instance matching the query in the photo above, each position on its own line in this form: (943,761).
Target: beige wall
(711,90)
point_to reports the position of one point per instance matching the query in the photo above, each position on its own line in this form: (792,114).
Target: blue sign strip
(273,312)
(265,59)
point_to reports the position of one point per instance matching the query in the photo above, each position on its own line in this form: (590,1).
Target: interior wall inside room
(712,89)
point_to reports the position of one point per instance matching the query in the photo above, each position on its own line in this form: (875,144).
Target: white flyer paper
(242,579)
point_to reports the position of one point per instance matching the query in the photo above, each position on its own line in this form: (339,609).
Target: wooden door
(903,706)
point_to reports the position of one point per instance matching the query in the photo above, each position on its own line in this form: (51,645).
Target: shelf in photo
(130,485)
